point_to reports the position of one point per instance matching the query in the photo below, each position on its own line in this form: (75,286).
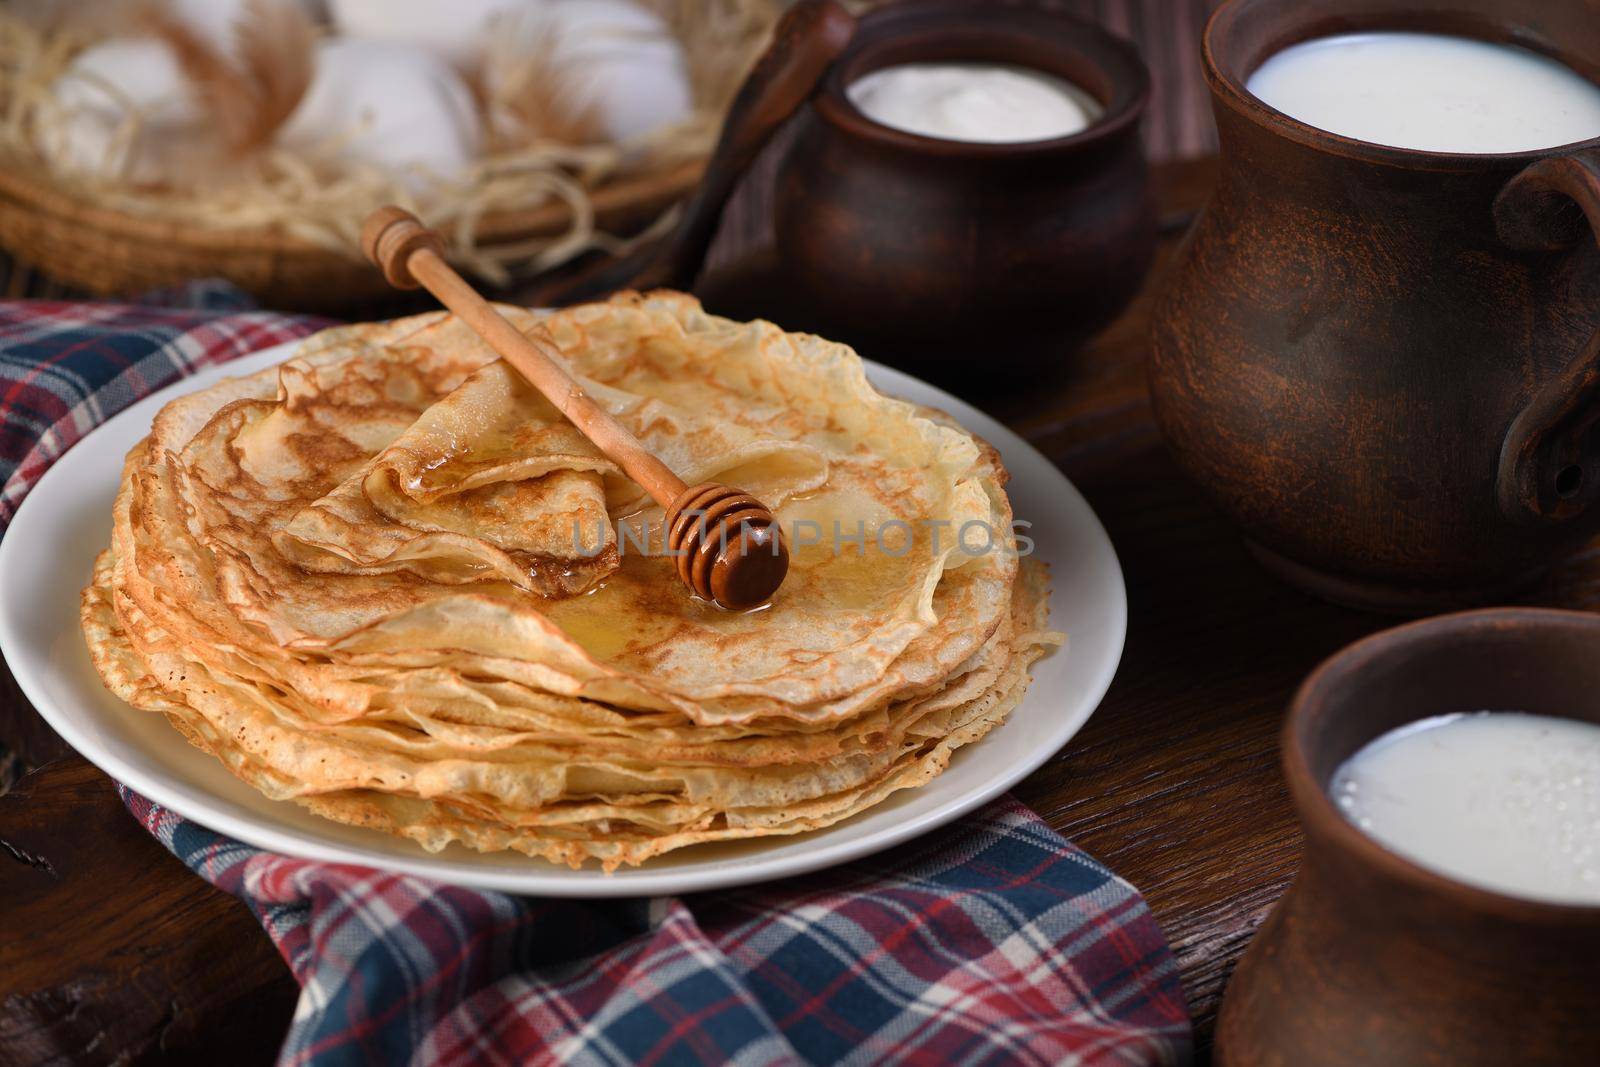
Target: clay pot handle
(806,41)
(1548,472)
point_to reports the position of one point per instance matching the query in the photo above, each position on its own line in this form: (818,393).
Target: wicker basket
(111,253)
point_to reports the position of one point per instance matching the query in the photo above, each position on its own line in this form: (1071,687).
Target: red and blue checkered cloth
(994,941)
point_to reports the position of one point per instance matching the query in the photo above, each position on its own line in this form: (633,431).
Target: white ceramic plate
(46,557)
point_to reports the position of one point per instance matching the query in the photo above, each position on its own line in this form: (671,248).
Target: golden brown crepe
(388,581)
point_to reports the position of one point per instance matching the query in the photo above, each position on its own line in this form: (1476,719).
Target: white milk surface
(1501,799)
(1431,92)
(984,102)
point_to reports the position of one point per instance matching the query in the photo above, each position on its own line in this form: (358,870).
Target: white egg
(617,58)
(625,59)
(104,91)
(388,104)
(454,31)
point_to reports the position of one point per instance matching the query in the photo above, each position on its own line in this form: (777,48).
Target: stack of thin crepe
(388,581)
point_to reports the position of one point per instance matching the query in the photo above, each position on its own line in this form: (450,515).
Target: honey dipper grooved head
(389,236)
(728,546)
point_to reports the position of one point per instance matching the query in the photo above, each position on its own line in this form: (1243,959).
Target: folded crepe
(386,580)
(489,483)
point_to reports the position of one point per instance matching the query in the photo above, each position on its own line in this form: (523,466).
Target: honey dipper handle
(410,255)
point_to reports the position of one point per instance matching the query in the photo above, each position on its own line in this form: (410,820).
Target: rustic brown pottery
(1382,362)
(1370,959)
(954,257)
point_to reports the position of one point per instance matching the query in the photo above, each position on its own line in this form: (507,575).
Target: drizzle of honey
(640,604)
(842,576)
(643,603)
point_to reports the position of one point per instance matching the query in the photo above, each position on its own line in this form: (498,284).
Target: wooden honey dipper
(729,547)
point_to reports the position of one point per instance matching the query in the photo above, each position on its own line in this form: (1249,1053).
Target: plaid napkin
(994,941)
(67,367)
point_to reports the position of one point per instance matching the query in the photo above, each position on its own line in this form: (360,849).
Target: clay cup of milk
(966,193)
(1377,349)
(1447,909)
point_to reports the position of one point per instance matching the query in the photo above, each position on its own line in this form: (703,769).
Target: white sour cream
(981,102)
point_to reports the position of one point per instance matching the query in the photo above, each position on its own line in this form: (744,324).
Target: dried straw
(321,202)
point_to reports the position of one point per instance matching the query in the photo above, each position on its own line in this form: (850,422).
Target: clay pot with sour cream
(937,253)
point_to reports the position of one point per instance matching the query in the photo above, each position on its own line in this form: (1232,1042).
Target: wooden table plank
(111,951)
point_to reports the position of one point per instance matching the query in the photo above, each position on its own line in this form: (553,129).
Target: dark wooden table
(111,951)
